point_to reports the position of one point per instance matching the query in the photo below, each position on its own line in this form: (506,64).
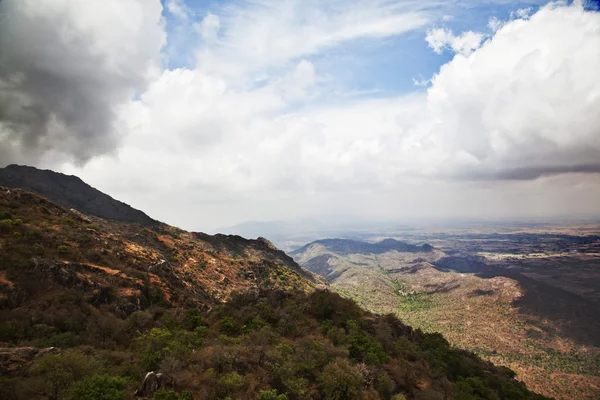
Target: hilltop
(90,306)
(71,192)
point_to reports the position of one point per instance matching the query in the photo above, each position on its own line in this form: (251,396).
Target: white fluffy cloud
(464,44)
(526,103)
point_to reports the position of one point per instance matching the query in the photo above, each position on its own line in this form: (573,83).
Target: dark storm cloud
(62,75)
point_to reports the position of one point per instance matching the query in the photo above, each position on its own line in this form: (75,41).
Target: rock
(152,383)
(13,359)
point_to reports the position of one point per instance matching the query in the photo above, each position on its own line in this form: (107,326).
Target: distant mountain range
(346,246)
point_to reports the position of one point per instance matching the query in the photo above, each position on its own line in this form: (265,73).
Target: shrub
(63,249)
(98,387)
(162,394)
(341,381)
(229,383)
(68,221)
(271,395)
(229,326)
(59,371)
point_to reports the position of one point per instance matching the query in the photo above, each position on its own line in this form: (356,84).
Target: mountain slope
(44,241)
(71,192)
(88,306)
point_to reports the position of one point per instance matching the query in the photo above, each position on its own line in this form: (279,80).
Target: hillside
(89,306)
(547,335)
(71,192)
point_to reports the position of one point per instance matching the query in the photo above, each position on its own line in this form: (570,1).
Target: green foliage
(363,347)
(229,326)
(193,319)
(59,371)
(162,394)
(246,348)
(68,221)
(63,249)
(229,383)
(158,343)
(271,395)
(341,381)
(98,387)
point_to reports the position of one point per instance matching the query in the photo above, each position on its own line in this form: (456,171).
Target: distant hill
(346,246)
(71,192)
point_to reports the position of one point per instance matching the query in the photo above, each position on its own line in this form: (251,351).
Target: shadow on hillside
(573,316)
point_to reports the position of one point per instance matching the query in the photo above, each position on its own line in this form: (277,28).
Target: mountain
(511,300)
(346,246)
(331,258)
(92,308)
(71,192)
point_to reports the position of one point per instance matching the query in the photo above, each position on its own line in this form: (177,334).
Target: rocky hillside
(71,192)
(99,309)
(127,266)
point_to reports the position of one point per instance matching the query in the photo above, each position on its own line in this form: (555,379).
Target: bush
(229,326)
(98,387)
(271,395)
(341,381)
(59,371)
(63,249)
(162,394)
(229,383)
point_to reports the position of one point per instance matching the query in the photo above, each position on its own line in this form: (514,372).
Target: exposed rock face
(71,192)
(13,359)
(153,382)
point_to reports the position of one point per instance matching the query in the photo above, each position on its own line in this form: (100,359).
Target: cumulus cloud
(524,104)
(66,67)
(464,44)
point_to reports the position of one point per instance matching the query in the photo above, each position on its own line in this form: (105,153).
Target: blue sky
(372,67)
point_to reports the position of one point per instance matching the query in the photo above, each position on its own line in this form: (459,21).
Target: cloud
(66,67)
(255,128)
(178,9)
(209,27)
(464,44)
(525,103)
(262,34)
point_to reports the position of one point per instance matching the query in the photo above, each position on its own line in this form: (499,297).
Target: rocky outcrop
(14,359)
(153,382)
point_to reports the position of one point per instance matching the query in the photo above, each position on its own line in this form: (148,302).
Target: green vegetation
(269,346)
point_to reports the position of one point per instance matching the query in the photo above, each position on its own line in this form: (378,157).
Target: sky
(206,113)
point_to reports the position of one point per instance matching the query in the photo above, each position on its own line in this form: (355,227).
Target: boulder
(153,382)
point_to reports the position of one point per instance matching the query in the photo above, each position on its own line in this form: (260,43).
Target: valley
(523,296)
